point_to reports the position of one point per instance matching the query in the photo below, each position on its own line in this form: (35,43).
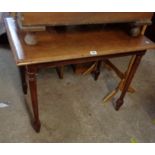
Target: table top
(56,46)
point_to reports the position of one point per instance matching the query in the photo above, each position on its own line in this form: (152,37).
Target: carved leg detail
(128,79)
(31,72)
(23,78)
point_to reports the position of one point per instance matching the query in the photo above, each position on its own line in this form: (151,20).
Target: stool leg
(31,72)
(97,71)
(128,79)
(22,70)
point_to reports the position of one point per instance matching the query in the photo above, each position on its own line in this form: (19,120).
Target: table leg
(60,72)
(98,69)
(31,73)
(23,78)
(128,79)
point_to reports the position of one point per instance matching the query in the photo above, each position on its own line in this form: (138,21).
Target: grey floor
(72,109)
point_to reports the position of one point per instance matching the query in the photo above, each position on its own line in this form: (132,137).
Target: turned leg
(23,78)
(97,71)
(31,73)
(128,79)
(60,72)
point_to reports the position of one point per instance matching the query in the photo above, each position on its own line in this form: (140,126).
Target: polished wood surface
(31,75)
(72,18)
(57,49)
(56,46)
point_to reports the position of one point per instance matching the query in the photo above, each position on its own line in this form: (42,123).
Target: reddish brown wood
(74,18)
(38,21)
(23,78)
(53,46)
(98,69)
(31,73)
(58,49)
(128,79)
(60,72)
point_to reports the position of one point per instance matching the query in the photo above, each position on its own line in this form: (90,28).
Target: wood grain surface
(74,18)
(74,44)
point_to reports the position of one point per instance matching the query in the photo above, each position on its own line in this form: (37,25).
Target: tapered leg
(31,72)
(60,72)
(23,78)
(97,71)
(128,79)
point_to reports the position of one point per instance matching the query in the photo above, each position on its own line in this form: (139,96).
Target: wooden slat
(54,46)
(71,18)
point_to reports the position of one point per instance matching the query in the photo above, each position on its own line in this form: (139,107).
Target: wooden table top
(59,46)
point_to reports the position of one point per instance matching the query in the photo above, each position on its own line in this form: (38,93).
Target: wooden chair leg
(130,89)
(120,75)
(31,73)
(90,69)
(60,72)
(110,95)
(22,70)
(128,79)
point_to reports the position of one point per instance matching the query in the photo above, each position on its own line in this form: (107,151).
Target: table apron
(84,60)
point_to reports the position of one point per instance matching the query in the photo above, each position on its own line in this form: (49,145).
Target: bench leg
(31,73)
(128,79)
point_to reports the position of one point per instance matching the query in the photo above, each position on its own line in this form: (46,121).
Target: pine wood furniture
(72,47)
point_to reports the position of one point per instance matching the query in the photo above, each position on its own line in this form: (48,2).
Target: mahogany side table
(59,49)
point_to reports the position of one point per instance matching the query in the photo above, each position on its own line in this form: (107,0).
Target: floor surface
(72,109)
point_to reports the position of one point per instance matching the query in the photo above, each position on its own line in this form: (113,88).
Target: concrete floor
(72,110)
